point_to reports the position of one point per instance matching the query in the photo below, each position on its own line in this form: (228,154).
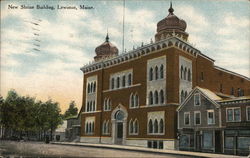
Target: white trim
(121,88)
(185,119)
(233,108)
(208,111)
(197,112)
(247,108)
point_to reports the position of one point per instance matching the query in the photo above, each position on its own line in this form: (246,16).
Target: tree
(72,110)
(54,117)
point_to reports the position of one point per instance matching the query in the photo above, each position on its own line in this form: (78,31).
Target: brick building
(131,98)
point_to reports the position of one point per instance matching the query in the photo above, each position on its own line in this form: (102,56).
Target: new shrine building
(131,98)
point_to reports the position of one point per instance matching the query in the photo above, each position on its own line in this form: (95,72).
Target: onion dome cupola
(105,50)
(170,26)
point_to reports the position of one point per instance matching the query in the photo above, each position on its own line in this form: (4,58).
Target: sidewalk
(150,150)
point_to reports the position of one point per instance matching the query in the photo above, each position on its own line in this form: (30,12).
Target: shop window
(207,140)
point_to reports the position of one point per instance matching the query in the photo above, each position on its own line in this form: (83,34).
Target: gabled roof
(211,96)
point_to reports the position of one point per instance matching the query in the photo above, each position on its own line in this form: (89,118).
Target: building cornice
(231,72)
(145,50)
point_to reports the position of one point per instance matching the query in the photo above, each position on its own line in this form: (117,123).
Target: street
(11,148)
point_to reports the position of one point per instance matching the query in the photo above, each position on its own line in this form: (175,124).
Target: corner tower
(170,26)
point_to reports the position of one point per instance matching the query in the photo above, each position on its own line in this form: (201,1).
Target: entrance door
(119,132)
(218,141)
(198,142)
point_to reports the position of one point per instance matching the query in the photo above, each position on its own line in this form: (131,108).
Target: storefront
(237,141)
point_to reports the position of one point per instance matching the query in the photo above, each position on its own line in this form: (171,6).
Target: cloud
(196,21)
(231,25)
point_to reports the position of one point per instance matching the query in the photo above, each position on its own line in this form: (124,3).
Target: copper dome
(171,22)
(106,49)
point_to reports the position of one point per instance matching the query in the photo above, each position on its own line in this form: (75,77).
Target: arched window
(90,106)
(185,94)
(161,97)
(93,105)
(86,127)
(161,71)
(131,128)
(161,126)
(89,128)
(150,126)
(132,100)
(129,79)
(93,127)
(156,97)
(136,99)
(123,81)
(105,104)
(189,75)
(87,106)
(151,74)
(155,126)
(151,98)
(182,96)
(104,127)
(91,87)
(109,104)
(185,73)
(181,71)
(88,88)
(94,87)
(135,126)
(156,72)
(112,83)
(118,82)
(107,126)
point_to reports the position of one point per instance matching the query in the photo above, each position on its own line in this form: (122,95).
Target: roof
(206,93)
(236,99)
(209,93)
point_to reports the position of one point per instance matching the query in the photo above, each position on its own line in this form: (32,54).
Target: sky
(42,50)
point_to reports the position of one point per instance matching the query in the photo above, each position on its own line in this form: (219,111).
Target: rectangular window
(248,113)
(202,76)
(197,100)
(237,114)
(230,115)
(186,118)
(197,118)
(210,117)
(233,115)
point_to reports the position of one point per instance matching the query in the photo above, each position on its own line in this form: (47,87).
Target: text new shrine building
(131,98)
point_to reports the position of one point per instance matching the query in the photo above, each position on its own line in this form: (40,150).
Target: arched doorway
(119,124)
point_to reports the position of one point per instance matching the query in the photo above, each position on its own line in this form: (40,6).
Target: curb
(146,150)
